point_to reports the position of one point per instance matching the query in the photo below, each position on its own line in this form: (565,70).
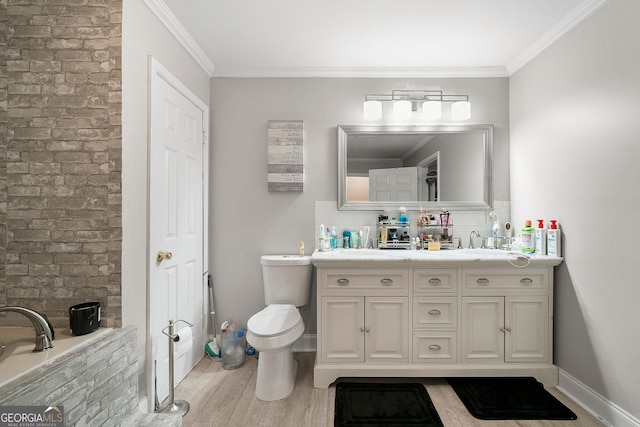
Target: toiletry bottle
(496,233)
(301,248)
(333,238)
(541,239)
(403,219)
(528,238)
(553,239)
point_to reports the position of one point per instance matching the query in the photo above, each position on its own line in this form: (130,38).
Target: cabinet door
(527,329)
(387,329)
(482,329)
(342,329)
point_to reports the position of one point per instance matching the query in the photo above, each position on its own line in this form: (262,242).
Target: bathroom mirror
(385,167)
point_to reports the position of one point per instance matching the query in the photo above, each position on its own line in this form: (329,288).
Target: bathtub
(17,358)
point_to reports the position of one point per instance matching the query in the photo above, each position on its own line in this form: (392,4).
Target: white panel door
(393,184)
(342,329)
(176,227)
(387,329)
(482,326)
(527,325)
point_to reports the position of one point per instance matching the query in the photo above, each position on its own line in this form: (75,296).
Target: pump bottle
(541,238)
(553,239)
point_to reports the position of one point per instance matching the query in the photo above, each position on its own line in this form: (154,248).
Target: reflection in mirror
(418,167)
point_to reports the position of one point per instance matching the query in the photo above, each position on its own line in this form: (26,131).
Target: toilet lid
(275,319)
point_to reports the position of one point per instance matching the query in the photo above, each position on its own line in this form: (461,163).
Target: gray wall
(575,147)
(143,35)
(248,221)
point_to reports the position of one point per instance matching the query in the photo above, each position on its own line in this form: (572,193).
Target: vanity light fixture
(428,102)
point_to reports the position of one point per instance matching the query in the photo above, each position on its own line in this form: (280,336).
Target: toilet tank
(286,279)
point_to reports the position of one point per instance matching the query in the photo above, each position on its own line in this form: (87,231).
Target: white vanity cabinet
(424,314)
(365,329)
(365,316)
(505,315)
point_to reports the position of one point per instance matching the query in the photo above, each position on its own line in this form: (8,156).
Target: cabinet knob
(434,281)
(482,281)
(342,282)
(506,329)
(434,347)
(526,281)
(435,312)
(367,330)
(361,329)
(386,282)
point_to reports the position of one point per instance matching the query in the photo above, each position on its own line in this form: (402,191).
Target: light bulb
(402,110)
(461,110)
(432,110)
(372,110)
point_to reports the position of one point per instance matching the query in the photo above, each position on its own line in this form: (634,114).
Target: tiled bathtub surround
(464,222)
(97,384)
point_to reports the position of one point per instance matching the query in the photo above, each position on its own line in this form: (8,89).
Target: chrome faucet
(473,234)
(44,330)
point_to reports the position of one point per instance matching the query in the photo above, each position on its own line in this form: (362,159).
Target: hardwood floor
(226,398)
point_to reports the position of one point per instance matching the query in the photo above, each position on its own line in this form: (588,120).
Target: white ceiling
(376,38)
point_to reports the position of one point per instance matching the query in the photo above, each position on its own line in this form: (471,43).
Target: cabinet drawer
(374,281)
(435,280)
(481,281)
(434,347)
(440,312)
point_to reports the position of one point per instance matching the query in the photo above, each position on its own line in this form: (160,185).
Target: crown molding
(377,72)
(162,11)
(575,17)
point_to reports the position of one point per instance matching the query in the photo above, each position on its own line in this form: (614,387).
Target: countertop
(425,258)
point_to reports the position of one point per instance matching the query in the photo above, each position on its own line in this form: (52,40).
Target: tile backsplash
(327,213)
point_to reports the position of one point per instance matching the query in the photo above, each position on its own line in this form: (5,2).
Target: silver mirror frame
(485,130)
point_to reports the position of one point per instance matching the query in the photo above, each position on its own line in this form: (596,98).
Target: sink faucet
(473,234)
(44,330)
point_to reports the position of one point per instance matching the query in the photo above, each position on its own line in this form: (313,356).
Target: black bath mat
(509,399)
(371,404)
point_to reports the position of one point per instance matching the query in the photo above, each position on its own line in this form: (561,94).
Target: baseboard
(305,343)
(594,403)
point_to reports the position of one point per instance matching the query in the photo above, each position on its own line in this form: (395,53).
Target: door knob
(162,255)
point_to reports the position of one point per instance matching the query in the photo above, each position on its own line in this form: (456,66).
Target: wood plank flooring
(226,398)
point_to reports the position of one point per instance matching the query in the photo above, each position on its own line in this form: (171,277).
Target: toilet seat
(274,320)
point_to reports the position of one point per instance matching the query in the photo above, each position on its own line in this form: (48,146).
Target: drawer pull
(434,347)
(435,312)
(386,282)
(482,281)
(342,282)
(435,281)
(526,281)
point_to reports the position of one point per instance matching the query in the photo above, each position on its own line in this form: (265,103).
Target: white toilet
(274,330)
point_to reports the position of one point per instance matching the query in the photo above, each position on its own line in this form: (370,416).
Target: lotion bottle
(541,238)
(301,248)
(528,238)
(553,239)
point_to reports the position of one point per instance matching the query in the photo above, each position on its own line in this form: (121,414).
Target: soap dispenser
(496,233)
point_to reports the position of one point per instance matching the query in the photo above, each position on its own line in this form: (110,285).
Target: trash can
(233,346)
(84,318)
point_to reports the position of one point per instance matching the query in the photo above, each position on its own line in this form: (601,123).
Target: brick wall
(61,156)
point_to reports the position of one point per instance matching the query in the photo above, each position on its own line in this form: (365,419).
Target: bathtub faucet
(44,330)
